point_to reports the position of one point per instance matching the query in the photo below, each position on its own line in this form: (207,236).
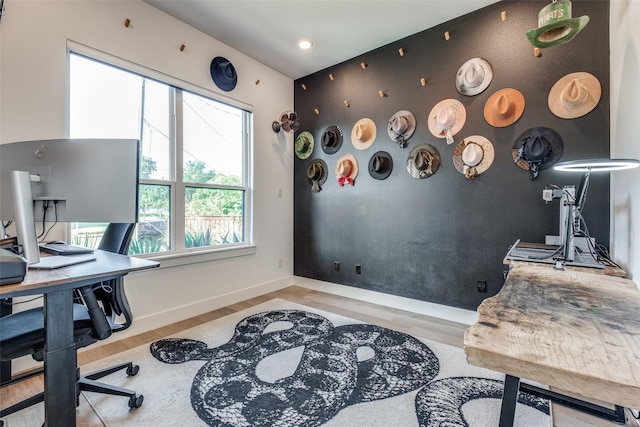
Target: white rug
(293,365)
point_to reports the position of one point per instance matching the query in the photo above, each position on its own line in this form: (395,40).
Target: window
(194,177)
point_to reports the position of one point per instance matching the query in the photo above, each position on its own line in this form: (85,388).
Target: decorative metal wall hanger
(288,122)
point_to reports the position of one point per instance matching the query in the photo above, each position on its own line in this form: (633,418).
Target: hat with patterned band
(303,145)
(401,127)
(346,170)
(331,139)
(555,25)
(504,107)
(423,161)
(446,119)
(363,134)
(317,174)
(574,95)
(380,165)
(537,149)
(474,76)
(473,156)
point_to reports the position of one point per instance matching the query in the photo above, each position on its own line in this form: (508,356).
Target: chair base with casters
(88,383)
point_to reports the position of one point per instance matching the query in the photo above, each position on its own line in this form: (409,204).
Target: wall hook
(331,76)
(503,15)
(315,110)
(536,51)
(346,103)
(127,22)
(423,81)
(446,35)
(401,51)
(182,46)
(382,94)
(363,65)
(303,86)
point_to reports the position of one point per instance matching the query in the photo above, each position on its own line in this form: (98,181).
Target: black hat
(331,139)
(380,165)
(223,73)
(537,149)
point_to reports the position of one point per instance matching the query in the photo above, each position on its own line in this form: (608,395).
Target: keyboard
(61,248)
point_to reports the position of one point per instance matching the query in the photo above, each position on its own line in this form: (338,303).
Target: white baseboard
(176,314)
(440,311)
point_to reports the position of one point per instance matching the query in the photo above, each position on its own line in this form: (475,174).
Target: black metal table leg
(60,361)
(509,398)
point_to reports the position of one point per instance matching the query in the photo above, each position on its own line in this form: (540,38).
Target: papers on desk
(59,261)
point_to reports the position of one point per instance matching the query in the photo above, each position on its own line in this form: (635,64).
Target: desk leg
(509,399)
(60,361)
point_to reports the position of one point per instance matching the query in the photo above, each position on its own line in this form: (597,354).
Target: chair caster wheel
(133,370)
(136,401)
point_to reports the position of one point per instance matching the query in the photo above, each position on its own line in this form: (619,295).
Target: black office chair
(94,315)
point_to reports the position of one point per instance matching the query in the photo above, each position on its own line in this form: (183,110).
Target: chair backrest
(116,238)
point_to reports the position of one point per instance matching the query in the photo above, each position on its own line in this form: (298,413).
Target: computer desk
(574,331)
(60,360)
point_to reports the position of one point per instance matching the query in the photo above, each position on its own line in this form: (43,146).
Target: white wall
(625,133)
(33,37)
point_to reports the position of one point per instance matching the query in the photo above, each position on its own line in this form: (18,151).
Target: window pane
(213,217)
(156,131)
(104,102)
(213,140)
(153,231)
(87,233)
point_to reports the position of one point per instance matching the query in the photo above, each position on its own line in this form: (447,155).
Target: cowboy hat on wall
(537,149)
(574,95)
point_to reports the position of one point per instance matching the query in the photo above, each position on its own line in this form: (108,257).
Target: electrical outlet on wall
(482,286)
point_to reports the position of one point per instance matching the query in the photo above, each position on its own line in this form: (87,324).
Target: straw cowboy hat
(423,161)
(317,174)
(474,76)
(555,25)
(380,165)
(537,149)
(363,134)
(304,145)
(401,127)
(473,155)
(574,95)
(504,107)
(446,119)
(346,170)
(331,139)
(223,73)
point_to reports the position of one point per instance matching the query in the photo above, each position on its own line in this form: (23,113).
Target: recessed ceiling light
(305,44)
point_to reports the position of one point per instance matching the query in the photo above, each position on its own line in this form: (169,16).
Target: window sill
(194,257)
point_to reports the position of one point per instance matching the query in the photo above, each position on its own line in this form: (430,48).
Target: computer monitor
(73,180)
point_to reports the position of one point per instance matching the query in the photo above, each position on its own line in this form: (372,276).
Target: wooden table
(573,330)
(60,360)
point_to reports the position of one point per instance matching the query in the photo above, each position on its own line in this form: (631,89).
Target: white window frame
(179,255)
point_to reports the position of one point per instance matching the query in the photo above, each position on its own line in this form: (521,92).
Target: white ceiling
(268,31)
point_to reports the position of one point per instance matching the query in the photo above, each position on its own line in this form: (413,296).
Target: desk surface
(107,265)
(577,331)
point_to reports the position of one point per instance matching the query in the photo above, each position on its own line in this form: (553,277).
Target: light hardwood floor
(443,331)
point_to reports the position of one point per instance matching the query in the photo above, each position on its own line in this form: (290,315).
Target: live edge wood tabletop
(577,331)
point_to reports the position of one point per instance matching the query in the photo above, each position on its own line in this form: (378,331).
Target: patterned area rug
(285,364)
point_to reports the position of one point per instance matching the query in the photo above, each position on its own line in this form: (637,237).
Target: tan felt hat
(473,155)
(363,134)
(346,169)
(504,107)
(574,95)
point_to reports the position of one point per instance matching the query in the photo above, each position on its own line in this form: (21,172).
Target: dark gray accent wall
(433,239)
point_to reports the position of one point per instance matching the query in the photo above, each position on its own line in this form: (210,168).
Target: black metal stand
(510,395)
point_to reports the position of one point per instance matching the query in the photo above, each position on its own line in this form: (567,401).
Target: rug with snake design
(285,364)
